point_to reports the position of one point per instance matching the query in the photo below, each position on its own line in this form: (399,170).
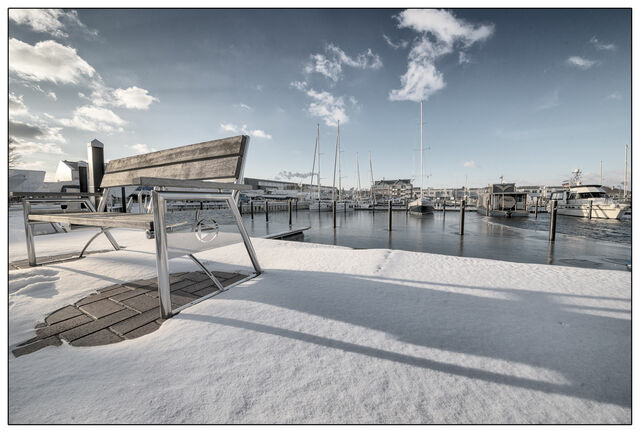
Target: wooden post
(334,213)
(407,206)
(536,210)
(444,207)
(266,210)
(462,206)
(289,211)
(552,225)
(296,206)
(390,218)
(251,205)
(124,200)
(590,207)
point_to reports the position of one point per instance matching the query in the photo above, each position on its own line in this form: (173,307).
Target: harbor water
(600,244)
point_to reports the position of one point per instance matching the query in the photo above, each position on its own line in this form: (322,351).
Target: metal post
(552,225)
(162,255)
(290,211)
(334,213)
(296,206)
(590,207)
(124,203)
(536,210)
(444,207)
(251,208)
(266,210)
(463,203)
(28,229)
(390,217)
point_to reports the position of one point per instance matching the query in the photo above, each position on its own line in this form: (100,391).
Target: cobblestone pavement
(119,312)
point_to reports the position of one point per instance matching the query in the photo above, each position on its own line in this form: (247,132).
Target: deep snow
(331,335)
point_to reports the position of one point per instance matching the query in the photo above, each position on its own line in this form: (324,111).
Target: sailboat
(422,205)
(318,204)
(341,204)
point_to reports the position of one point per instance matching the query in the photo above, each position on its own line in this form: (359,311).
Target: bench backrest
(221,160)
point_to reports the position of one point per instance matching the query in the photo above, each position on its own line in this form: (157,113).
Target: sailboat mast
(358,171)
(318,148)
(313,167)
(371,171)
(626,149)
(421,175)
(335,162)
(339,164)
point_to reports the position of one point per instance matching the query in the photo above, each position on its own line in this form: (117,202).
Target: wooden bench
(208,171)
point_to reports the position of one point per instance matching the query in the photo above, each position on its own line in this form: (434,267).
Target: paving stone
(141,284)
(129,294)
(96,325)
(181,284)
(232,280)
(63,326)
(143,330)
(178,301)
(102,295)
(37,345)
(40,325)
(114,286)
(99,338)
(197,276)
(136,321)
(141,303)
(224,275)
(101,308)
(199,286)
(206,291)
(62,314)
(29,341)
(184,294)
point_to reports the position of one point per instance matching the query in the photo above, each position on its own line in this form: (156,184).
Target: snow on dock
(331,335)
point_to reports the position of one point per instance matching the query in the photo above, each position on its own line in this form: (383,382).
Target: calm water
(579,242)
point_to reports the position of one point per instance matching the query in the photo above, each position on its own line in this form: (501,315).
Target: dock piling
(266,210)
(289,211)
(552,225)
(334,213)
(251,202)
(590,207)
(536,210)
(463,204)
(390,218)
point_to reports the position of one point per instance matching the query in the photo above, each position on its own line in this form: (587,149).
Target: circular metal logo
(206,230)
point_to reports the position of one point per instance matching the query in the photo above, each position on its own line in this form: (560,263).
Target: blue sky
(526,94)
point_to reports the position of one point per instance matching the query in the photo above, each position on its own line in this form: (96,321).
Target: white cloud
(581,63)
(133,98)
(440,34)
(30,147)
(324,105)
(258,133)
(395,46)
(601,45)
(549,100)
(330,65)
(141,148)
(463,58)
(16,106)
(614,95)
(48,20)
(47,61)
(52,95)
(96,119)
(470,164)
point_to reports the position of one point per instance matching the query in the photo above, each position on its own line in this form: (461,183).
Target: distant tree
(14,156)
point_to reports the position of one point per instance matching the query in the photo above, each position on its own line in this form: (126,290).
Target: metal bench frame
(164,189)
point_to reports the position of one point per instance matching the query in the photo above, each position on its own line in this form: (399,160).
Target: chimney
(95,157)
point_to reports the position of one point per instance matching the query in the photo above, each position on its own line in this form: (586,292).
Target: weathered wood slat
(161,181)
(220,168)
(232,146)
(99,219)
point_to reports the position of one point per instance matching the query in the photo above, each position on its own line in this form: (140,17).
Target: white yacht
(579,198)
(422,205)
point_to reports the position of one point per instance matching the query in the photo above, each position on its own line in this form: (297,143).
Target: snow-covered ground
(331,335)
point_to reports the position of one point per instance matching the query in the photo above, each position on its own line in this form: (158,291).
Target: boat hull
(597,211)
(420,207)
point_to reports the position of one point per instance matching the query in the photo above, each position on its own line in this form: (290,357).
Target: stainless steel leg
(206,271)
(162,255)
(106,232)
(28,231)
(245,236)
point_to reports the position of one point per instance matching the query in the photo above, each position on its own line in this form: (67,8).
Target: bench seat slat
(98,219)
(161,181)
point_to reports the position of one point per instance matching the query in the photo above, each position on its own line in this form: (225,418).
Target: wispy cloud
(470,164)
(47,61)
(599,45)
(141,148)
(95,119)
(440,33)
(331,63)
(463,58)
(292,175)
(32,138)
(245,106)
(17,106)
(614,95)
(259,133)
(395,45)
(51,21)
(324,104)
(581,62)
(549,100)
